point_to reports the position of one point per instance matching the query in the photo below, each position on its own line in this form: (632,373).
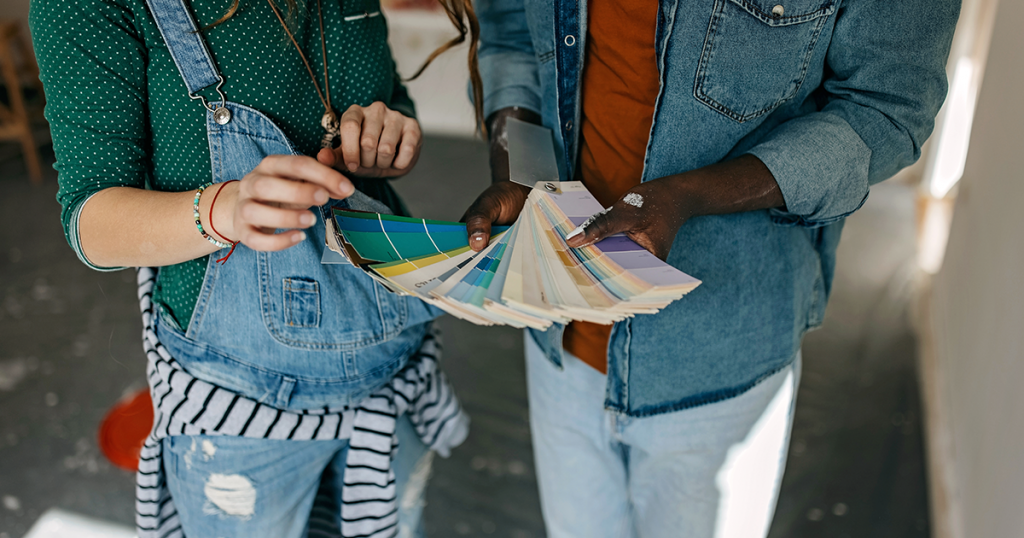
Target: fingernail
(320,197)
(308,219)
(352,167)
(574,233)
(478,237)
(299,237)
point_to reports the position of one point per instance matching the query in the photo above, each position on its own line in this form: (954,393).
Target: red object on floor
(124,430)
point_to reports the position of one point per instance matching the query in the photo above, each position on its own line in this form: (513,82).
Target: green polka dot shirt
(121,116)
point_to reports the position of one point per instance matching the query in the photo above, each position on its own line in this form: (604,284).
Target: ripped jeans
(234,486)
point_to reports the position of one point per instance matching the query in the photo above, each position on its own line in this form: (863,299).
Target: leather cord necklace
(330,121)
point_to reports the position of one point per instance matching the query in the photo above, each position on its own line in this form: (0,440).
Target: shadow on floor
(69,348)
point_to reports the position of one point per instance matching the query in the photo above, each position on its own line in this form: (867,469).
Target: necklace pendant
(332,128)
(330,122)
(328,141)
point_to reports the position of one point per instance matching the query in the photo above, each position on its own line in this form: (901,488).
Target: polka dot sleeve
(93,67)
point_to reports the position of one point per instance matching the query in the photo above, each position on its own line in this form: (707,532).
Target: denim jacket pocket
(756,54)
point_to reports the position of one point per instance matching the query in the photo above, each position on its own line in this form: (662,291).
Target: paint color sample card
(387,238)
(527,276)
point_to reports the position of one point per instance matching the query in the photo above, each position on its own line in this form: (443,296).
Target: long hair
(463,17)
(461,13)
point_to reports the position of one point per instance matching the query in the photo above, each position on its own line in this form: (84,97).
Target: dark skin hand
(501,203)
(741,184)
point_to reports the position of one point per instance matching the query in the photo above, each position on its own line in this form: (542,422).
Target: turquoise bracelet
(199,225)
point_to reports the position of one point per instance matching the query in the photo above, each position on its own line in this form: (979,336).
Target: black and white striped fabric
(185,405)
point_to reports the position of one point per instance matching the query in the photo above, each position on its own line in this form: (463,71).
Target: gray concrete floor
(69,348)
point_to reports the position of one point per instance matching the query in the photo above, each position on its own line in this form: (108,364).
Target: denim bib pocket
(756,54)
(341,308)
(301,302)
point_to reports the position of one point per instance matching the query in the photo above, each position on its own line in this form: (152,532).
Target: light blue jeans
(711,471)
(235,486)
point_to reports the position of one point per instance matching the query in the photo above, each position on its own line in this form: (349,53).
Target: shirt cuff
(75,239)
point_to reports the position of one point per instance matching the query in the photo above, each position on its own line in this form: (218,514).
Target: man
(744,132)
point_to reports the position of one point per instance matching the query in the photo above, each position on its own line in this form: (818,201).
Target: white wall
(440,92)
(975,320)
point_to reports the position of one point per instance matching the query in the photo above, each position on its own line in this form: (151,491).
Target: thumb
(478,220)
(326,157)
(478,228)
(601,225)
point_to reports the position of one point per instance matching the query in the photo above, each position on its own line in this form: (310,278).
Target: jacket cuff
(821,165)
(510,79)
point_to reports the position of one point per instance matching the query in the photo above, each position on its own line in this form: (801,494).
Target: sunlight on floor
(57,523)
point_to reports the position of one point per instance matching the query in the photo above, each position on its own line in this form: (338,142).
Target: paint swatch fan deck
(527,276)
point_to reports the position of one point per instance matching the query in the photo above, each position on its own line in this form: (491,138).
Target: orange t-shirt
(620,86)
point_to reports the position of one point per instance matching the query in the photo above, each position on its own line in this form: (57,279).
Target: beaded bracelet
(199,225)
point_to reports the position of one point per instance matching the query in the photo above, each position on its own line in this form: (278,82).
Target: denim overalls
(280,327)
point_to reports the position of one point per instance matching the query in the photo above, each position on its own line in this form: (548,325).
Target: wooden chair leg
(32,163)
(19,116)
(31,67)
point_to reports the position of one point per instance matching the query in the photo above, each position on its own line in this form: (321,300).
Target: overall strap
(187,46)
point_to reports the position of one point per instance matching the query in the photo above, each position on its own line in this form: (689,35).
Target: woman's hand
(376,142)
(277,194)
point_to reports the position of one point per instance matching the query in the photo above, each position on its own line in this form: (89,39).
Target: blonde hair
(463,17)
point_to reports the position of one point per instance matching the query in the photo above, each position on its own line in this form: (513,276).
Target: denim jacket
(832,95)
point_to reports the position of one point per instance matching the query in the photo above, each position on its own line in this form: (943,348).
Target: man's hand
(376,142)
(652,212)
(500,204)
(503,200)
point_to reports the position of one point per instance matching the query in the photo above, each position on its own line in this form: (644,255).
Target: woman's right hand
(277,194)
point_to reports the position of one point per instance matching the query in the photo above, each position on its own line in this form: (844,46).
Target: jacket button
(570,40)
(778,10)
(568,125)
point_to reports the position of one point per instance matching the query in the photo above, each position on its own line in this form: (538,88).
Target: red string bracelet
(214,202)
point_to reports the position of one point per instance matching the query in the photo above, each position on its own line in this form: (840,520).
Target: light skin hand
(277,194)
(376,142)
(123,226)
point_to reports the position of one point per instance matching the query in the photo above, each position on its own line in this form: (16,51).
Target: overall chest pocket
(756,54)
(315,306)
(333,307)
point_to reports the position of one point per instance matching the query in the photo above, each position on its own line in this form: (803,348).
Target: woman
(183,135)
